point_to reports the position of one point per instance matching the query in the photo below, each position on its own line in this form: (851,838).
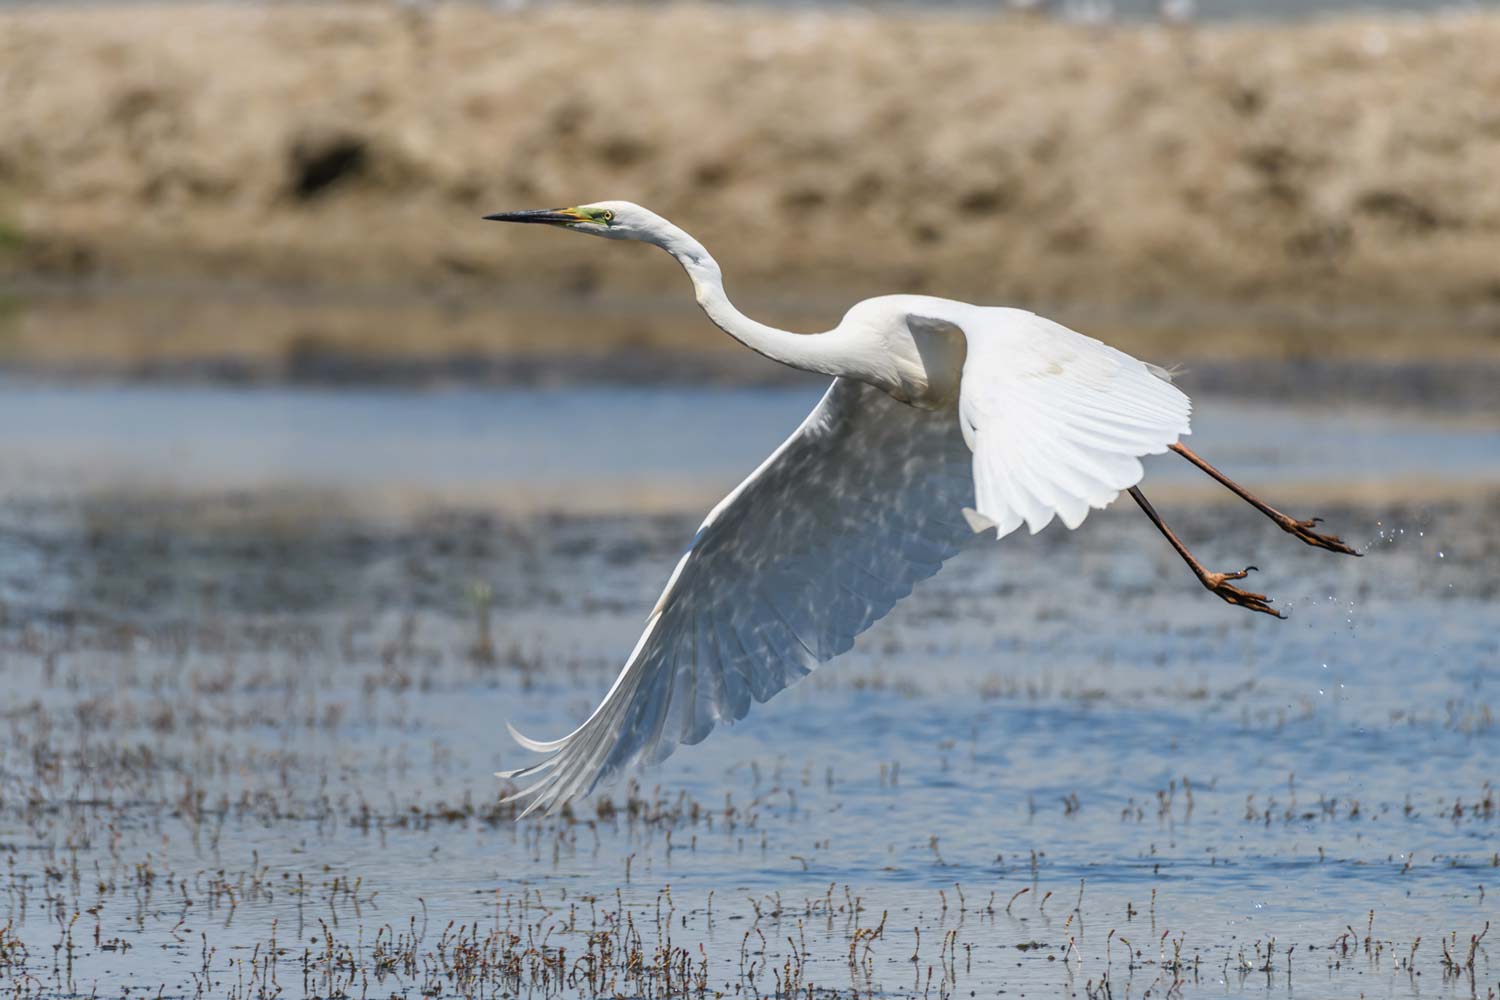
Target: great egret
(944,420)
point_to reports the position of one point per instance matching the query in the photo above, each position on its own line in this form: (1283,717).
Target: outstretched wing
(1057,421)
(860,503)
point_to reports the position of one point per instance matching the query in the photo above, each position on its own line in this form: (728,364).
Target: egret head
(614,220)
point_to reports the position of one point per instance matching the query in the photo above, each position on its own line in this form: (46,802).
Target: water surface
(260,644)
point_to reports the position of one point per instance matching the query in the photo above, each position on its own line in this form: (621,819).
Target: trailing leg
(1218,583)
(1302,529)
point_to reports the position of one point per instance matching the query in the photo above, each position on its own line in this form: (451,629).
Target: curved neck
(808,352)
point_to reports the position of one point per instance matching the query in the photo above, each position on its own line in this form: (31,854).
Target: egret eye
(609,216)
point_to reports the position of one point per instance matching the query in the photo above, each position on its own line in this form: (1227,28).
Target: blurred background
(267,191)
(309,479)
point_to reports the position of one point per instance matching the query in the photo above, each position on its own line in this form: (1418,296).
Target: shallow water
(253,710)
(519,448)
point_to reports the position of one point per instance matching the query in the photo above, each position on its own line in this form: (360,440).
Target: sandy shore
(1196,187)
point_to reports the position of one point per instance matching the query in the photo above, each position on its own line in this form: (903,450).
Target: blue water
(233,661)
(518,445)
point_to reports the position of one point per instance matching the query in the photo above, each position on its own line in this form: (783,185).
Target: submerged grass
(246,755)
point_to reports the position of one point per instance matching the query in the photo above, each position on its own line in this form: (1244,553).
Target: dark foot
(1303,530)
(1219,584)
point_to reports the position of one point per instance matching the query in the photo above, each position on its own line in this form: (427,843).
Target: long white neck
(817,352)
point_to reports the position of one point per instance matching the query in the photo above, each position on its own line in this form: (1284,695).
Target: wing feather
(868,497)
(820,542)
(1058,421)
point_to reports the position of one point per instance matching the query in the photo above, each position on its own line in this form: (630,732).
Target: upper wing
(861,502)
(1057,421)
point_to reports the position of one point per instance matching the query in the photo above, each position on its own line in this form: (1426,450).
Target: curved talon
(1303,530)
(1218,583)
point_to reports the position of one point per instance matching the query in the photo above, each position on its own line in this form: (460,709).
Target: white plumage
(1057,421)
(944,419)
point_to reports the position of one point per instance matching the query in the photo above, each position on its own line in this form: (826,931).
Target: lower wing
(866,498)
(819,543)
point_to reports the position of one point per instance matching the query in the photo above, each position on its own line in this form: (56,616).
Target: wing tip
(535,746)
(978,523)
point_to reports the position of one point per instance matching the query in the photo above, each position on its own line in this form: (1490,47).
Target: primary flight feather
(944,419)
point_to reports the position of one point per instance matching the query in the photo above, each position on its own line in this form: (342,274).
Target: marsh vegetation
(250,722)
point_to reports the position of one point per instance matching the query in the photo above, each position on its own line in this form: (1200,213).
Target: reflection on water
(243,707)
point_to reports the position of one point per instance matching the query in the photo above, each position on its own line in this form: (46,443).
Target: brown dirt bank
(1342,175)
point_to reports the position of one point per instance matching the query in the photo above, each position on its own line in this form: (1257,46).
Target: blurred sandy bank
(256,182)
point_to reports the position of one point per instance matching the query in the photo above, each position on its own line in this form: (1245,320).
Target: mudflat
(1209,190)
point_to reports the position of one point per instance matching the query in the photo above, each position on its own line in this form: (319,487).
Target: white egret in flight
(944,420)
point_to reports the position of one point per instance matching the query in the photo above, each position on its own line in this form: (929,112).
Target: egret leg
(1218,583)
(1302,529)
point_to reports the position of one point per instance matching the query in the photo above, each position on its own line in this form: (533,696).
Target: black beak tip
(545,216)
